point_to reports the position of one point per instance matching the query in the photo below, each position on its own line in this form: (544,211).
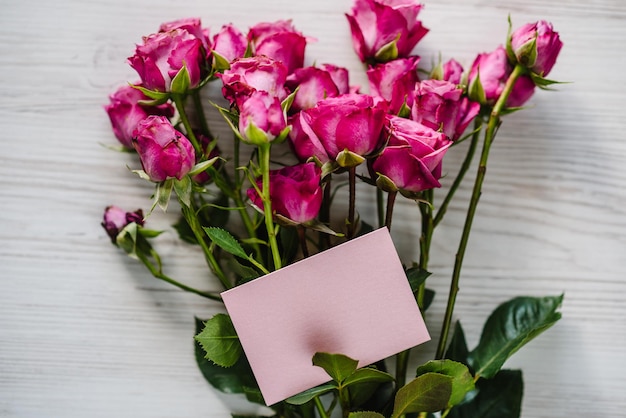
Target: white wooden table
(86,332)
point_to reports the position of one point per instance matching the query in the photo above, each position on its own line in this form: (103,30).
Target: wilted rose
(116,219)
(164,54)
(295,193)
(494,69)
(411,162)
(261,118)
(536,46)
(383,30)
(394,81)
(440,104)
(125,112)
(279,40)
(164,151)
(350,123)
(247,75)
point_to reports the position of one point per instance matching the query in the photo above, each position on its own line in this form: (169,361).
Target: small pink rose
(230,43)
(279,41)
(536,46)
(394,81)
(261,118)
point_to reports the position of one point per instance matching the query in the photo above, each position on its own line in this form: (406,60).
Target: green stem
(462,171)
(302,237)
(379,207)
(320,407)
(492,126)
(197,102)
(426,236)
(324,216)
(391,199)
(402,364)
(179,102)
(159,275)
(192,219)
(352,202)
(264,163)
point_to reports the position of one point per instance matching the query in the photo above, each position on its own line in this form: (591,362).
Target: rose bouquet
(268,198)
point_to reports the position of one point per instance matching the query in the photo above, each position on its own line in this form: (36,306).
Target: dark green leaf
(510,326)
(226,241)
(244,273)
(304,397)
(416,277)
(338,366)
(365,375)
(429,296)
(457,350)
(365,414)
(462,380)
(500,397)
(289,244)
(184,231)
(219,340)
(429,392)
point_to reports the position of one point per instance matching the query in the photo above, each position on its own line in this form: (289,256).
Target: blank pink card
(353,299)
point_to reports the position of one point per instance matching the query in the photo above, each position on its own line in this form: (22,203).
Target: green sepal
(126,239)
(288,101)
(254,135)
(220,341)
(348,159)
(306,396)
(220,64)
(462,380)
(429,392)
(163,194)
(509,48)
(204,165)
(405,111)
(475,91)
(365,414)
(385,183)
(181,81)
(282,135)
(158,96)
(142,174)
(182,188)
(544,83)
(509,328)
(388,52)
(527,53)
(232,119)
(338,366)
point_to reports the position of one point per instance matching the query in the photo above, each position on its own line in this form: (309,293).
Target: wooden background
(86,332)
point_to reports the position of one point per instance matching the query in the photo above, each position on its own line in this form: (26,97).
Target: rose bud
(383,30)
(411,161)
(492,70)
(536,46)
(394,81)
(279,41)
(313,84)
(452,71)
(304,143)
(295,193)
(439,104)
(247,75)
(164,151)
(115,219)
(192,25)
(230,43)
(125,112)
(164,54)
(348,126)
(261,119)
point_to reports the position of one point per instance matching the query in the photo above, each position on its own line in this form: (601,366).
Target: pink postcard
(353,299)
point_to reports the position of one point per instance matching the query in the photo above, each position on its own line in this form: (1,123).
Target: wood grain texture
(86,332)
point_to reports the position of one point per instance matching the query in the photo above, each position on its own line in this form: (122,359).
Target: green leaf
(181,81)
(338,366)
(304,397)
(228,380)
(511,326)
(429,296)
(219,340)
(367,375)
(183,190)
(462,380)
(500,397)
(365,414)
(244,273)
(416,277)
(457,350)
(429,392)
(226,241)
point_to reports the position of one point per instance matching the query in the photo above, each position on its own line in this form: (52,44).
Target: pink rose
(536,46)
(230,43)
(350,122)
(394,81)
(411,161)
(340,77)
(304,143)
(247,75)
(279,41)
(116,219)
(494,69)
(261,118)
(164,152)
(125,112)
(452,71)
(313,84)
(439,104)
(164,54)
(295,192)
(383,30)
(193,25)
